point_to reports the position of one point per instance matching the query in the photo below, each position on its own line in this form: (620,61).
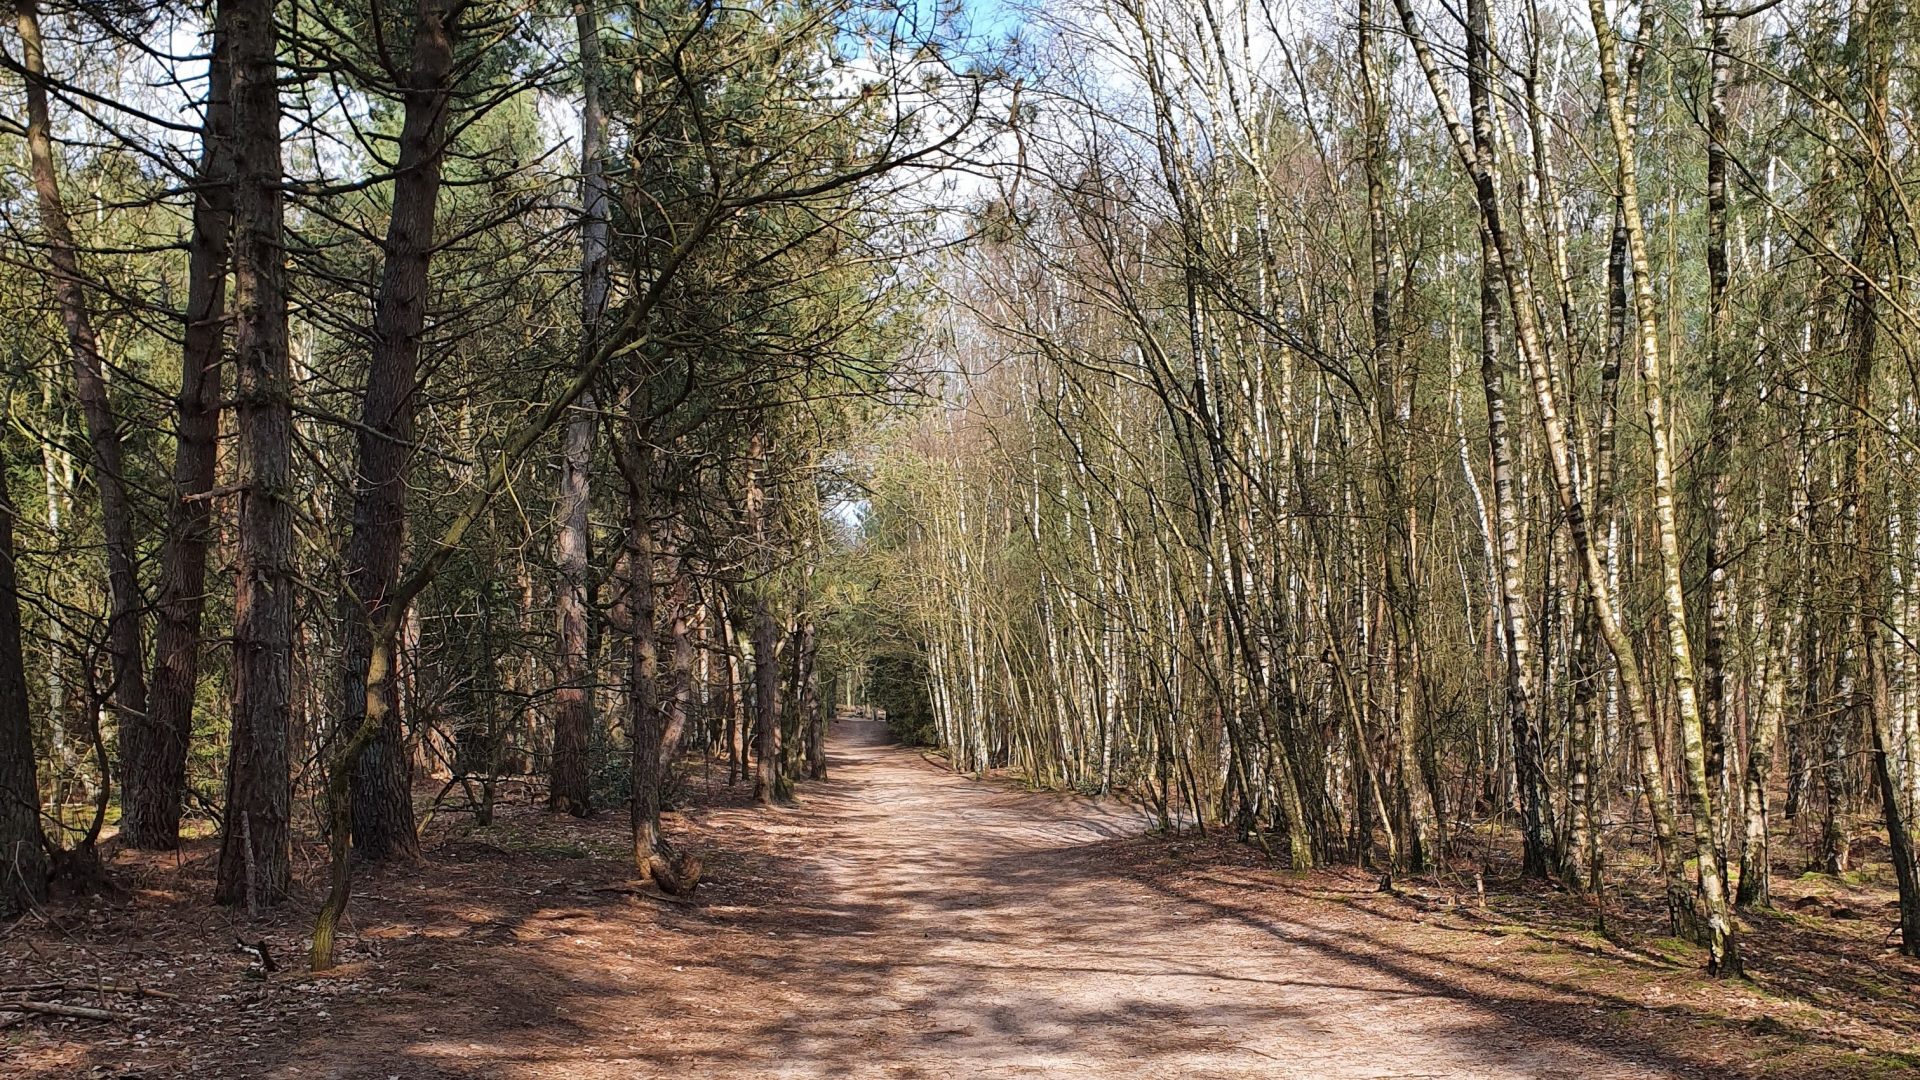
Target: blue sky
(995,17)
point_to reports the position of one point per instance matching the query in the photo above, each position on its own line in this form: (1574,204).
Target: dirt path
(963,934)
(938,927)
(900,922)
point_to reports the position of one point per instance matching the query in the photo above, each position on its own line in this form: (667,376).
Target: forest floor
(902,921)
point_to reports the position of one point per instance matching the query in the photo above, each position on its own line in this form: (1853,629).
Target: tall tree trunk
(59,482)
(813,714)
(1876,274)
(769,782)
(1715,461)
(1522,304)
(156,758)
(645,718)
(256,845)
(1786,682)
(128,694)
(736,691)
(1588,672)
(382,789)
(568,787)
(1529,769)
(1393,406)
(1755,888)
(23,854)
(679,668)
(1722,944)
(661,727)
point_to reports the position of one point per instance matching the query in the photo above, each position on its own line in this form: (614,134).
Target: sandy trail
(959,929)
(906,922)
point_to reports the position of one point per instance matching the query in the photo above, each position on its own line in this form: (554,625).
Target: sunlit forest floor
(906,922)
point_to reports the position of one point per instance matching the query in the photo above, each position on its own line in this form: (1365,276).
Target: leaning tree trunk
(156,764)
(23,854)
(256,854)
(128,694)
(382,792)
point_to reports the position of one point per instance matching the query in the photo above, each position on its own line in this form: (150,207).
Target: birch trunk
(1722,944)
(1529,772)
(1522,304)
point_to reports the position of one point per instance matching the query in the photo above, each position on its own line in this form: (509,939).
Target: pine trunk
(256,852)
(23,855)
(127,695)
(382,774)
(156,760)
(645,718)
(568,786)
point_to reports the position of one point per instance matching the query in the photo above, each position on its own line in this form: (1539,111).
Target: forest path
(942,927)
(905,922)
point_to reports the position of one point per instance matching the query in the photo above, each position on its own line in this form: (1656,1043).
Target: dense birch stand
(1343,603)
